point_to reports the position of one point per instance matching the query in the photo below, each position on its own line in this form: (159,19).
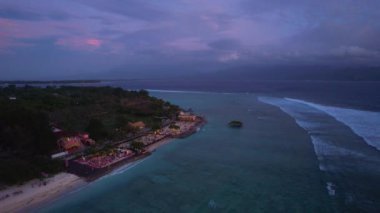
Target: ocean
(300,150)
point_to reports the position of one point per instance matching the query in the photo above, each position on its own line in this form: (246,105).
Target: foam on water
(363,123)
(326,146)
(122,169)
(188,91)
(126,167)
(321,148)
(78,189)
(330,188)
(304,113)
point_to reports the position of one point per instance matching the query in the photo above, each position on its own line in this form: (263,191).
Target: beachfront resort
(84,157)
(74,134)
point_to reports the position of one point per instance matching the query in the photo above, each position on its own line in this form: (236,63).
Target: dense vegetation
(26,139)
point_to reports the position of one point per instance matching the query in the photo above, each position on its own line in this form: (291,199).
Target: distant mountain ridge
(230,73)
(316,73)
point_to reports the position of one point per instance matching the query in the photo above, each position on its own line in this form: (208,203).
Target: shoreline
(36,193)
(149,149)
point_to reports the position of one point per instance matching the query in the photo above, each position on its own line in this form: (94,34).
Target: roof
(70,142)
(61,134)
(138,124)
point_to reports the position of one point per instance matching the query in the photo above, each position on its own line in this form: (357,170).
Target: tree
(121,121)
(156,126)
(174,126)
(143,92)
(96,129)
(25,130)
(137,146)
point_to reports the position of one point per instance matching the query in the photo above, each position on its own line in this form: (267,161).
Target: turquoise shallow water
(270,165)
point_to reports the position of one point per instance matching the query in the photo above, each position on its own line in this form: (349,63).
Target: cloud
(225,44)
(188,44)
(58,16)
(132,8)
(232,56)
(11,13)
(94,42)
(142,33)
(78,43)
(8,12)
(355,51)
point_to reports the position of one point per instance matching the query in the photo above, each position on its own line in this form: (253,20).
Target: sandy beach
(23,197)
(154,146)
(32,194)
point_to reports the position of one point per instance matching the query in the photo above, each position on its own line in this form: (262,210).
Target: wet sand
(23,197)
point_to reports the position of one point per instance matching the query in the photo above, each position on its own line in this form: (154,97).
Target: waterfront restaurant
(186,116)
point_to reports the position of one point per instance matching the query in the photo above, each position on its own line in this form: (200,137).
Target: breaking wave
(337,152)
(303,114)
(365,124)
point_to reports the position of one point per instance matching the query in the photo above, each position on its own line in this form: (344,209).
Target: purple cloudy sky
(61,38)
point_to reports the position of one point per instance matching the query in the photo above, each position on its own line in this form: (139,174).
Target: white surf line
(120,170)
(307,126)
(189,91)
(127,167)
(322,149)
(365,124)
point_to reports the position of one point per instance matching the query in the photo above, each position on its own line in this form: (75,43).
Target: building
(186,116)
(70,143)
(137,125)
(83,135)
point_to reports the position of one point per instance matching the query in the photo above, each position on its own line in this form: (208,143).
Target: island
(53,138)
(235,124)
